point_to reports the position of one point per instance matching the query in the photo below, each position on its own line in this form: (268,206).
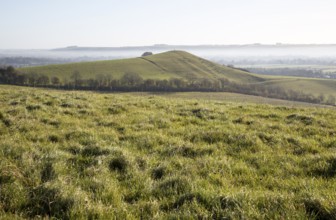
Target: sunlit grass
(90,155)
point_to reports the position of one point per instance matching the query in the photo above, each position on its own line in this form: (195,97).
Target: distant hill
(172,64)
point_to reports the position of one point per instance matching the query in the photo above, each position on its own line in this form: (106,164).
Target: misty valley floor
(72,155)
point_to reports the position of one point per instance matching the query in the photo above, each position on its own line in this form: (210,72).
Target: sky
(44,24)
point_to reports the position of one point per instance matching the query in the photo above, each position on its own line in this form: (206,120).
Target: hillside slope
(172,64)
(180,64)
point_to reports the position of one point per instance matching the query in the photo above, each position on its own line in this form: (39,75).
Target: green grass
(86,155)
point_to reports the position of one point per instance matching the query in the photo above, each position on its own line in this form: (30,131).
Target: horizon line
(176,45)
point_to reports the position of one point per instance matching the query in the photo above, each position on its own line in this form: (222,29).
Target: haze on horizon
(44,24)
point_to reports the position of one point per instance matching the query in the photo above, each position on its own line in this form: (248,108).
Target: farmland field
(66,154)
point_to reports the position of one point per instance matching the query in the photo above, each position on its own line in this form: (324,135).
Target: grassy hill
(173,64)
(179,64)
(87,155)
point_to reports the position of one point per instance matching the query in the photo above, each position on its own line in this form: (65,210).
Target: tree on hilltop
(146,54)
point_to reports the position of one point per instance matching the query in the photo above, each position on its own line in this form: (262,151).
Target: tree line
(134,82)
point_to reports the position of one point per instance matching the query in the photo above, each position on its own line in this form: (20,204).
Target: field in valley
(71,154)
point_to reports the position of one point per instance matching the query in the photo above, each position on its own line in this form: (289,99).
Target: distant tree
(223,83)
(108,80)
(115,83)
(92,83)
(32,79)
(104,80)
(131,79)
(2,75)
(8,75)
(55,81)
(206,83)
(321,98)
(65,82)
(163,84)
(10,69)
(149,83)
(21,79)
(76,78)
(331,100)
(146,54)
(177,83)
(43,80)
(100,80)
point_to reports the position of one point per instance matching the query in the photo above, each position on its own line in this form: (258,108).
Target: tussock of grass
(48,172)
(172,187)
(159,173)
(119,164)
(316,210)
(5,120)
(46,201)
(33,107)
(301,118)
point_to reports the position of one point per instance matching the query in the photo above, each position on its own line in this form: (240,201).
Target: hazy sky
(58,23)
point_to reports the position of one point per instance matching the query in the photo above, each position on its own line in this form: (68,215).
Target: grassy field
(86,155)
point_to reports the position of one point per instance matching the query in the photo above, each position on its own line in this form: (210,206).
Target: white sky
(41,24)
